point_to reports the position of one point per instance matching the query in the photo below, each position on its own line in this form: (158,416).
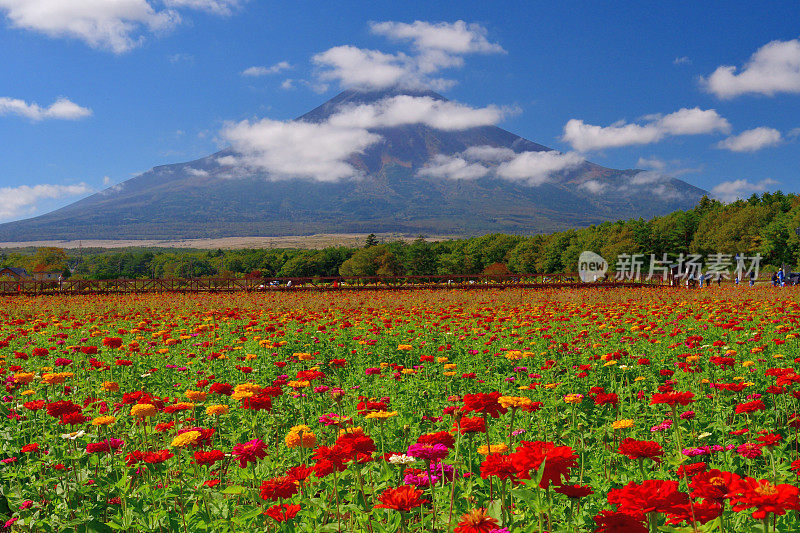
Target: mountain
(199,199)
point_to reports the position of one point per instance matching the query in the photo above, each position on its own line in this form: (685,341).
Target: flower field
(622,410)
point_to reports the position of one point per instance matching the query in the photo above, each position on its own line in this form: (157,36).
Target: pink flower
(428,452)
(249,452)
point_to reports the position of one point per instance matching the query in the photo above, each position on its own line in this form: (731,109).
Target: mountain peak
(351,97)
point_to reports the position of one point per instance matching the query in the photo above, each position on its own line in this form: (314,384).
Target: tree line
(763,224)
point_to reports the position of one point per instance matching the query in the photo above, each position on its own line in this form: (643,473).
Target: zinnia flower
(476,521)
(402,498)
(640,449)
(249,452)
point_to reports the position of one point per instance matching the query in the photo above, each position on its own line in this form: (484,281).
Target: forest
(763,225)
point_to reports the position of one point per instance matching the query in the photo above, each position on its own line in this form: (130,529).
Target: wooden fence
(317,283)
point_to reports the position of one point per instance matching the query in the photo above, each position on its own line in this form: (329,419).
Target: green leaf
(234,489)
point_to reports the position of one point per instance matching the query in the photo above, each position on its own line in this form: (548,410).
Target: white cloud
(774,68)
(17,201)
(405,109)
(729,191)
(263,71)
(683,60)
(287,84)
(320,150)
(751,140)
(651,162)
(218,7)
(298,149)
(793,133)
(62,108)
(455,168)
(531,168)
(436,47)
(356,67)
(586,137)
(489,153)
(106,180)
(116,25)
(455,38)
(198,172)
(594,186)
(535,168)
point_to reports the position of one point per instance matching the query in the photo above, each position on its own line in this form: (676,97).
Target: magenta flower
(249,452)
(428,452)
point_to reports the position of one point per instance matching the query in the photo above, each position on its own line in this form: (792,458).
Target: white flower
(401,459)
(74,435)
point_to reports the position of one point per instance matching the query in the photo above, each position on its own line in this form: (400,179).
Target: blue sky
(91,95)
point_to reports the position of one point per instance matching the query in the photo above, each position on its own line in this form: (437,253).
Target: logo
(591,267)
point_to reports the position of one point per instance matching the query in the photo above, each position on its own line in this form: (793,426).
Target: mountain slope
(199,199)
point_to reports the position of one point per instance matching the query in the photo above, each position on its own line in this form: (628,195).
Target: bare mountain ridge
(199,200)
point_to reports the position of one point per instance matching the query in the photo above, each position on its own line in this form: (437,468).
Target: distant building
(14,272)
(47,275)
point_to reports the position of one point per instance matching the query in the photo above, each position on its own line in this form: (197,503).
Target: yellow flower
(356,430)
(748,363)
(493,448)
(449,366)
(622,424)
(573,398)
(24,377)
(143,410)
(27,392)
(218,409)
(610,363)
(404,347)
(299,384)
(409,371)
(110,386)
(300,436)
(448,374)
(185,439)
(514,402)
(381,415)
(103,421)
(304,356)
(442,359)
(196,395)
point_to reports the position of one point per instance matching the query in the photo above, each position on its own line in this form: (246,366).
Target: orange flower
(476,521)
(402,498)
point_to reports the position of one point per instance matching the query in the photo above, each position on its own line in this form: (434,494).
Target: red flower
(652,496)
(225,389)
(619,522)
(476,521)
(713,485)
(278,488)
(402,498)
(30,448)
(640,449)
(501,466)
(157,457)
(299,473)
(770,439)
(691,470)
(486,404)
(327,459)
(282,513)
(764,496)
(750,407)
(470,425)
(699,512)
(557,461)
(208,458)
(356,446)
(112,342)
(575,491)
(672,398)
(440,437)
(34,406)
